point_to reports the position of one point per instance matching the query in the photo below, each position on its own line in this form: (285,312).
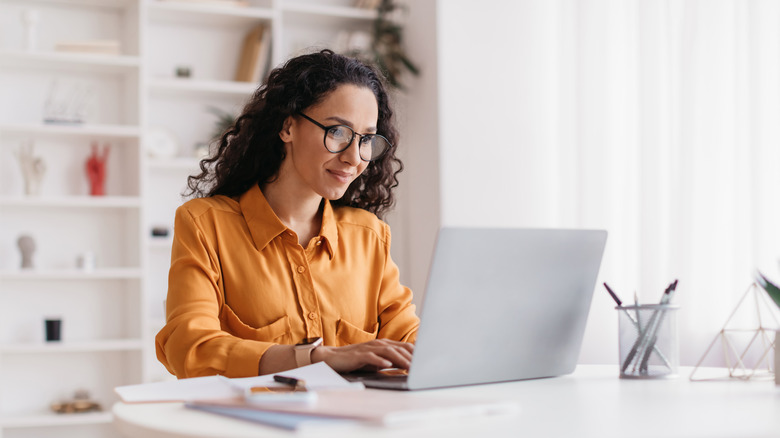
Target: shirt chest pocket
(278,331)
(348,334)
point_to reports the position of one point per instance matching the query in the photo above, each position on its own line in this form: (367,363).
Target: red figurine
(96,170)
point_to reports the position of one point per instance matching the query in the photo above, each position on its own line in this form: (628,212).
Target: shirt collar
(264,225)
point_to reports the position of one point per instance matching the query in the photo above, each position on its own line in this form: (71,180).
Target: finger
(397,355)
(405,345)
(372,359)
(403,352)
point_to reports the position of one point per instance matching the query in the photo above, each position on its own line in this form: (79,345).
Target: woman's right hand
(377,353)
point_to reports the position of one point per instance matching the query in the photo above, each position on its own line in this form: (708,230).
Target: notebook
(501,304)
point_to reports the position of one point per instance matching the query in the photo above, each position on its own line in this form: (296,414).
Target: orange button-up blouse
(239,283)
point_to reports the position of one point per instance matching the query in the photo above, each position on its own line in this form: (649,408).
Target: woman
(282,245)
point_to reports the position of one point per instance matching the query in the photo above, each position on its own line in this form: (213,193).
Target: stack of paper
(338,402)
(372,407)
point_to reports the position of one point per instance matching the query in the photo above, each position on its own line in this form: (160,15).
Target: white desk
(592,402)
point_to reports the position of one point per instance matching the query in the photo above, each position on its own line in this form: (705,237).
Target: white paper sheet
(317,376)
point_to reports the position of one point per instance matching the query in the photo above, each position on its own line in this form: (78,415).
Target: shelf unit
(111,314)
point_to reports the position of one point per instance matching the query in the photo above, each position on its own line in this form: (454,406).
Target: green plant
(769,287)
(387,51)
(224,121)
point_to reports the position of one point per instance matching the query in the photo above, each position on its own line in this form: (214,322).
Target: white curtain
(669,137)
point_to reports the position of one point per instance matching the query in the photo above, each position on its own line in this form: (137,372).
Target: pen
(292,381)
(614,296)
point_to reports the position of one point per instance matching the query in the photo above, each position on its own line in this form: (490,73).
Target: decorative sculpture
(33,168)
(96,170)
(27,248)
(81,402)
(30,21)
(764,324)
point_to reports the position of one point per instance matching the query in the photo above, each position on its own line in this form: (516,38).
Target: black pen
(614,296)
(292,381)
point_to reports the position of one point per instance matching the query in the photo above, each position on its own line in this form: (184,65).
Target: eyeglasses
(339,137)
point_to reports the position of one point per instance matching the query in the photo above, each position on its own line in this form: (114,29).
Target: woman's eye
(366,140)
(339,132)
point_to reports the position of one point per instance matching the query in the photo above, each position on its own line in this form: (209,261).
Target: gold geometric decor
(753,319)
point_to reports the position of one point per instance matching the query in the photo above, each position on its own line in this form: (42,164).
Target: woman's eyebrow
(341,121)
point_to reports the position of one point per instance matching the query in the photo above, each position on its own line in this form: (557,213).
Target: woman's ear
(286,133)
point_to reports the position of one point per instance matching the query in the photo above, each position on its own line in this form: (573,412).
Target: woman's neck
(302,214)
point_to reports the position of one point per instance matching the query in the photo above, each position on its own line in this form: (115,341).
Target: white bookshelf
(206,14)
(88,63)
(201,88)
(85,130)
(111,313)
(72,346)
(72,274)
(71,201)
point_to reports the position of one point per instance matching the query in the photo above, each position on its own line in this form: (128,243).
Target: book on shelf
(105,47)
(240,3)
(367,4)
(255,55)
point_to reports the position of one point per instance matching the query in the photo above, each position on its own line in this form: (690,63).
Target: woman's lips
(344,177)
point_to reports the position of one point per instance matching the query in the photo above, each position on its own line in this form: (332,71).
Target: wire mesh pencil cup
(648,341)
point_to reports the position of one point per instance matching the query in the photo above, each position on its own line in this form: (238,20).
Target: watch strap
(303,352)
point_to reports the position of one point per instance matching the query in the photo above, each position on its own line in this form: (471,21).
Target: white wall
(504,159)
(562,114)
(498,88)
(416,218)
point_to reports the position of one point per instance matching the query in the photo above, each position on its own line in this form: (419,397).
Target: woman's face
(308,164)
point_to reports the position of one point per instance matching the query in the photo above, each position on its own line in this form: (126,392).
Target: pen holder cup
(648,342)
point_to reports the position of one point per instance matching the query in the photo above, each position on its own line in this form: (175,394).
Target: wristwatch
(303,350)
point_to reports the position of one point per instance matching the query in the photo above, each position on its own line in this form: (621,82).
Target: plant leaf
(769,287)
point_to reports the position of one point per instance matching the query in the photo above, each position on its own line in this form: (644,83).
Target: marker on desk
(298,384)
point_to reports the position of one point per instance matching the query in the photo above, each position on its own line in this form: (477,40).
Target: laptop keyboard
(392,375)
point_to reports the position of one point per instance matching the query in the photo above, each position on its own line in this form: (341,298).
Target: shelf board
(177,163)
(72,274)
(208,14)
(81,62)
(102,4)
(81,130)
(201,87)
(53,419)
(314,9)
(71,201)
(97,346)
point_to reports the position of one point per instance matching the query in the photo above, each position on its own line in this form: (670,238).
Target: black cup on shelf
(53,329)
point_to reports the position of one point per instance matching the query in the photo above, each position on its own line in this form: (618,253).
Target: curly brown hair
(251,152)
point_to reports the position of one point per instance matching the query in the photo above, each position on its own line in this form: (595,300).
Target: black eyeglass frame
(351,140)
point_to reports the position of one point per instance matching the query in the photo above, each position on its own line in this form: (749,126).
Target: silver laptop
(501,304)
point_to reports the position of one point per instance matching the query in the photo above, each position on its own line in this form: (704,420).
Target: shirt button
(312,315)
(301,269)
(319,242)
